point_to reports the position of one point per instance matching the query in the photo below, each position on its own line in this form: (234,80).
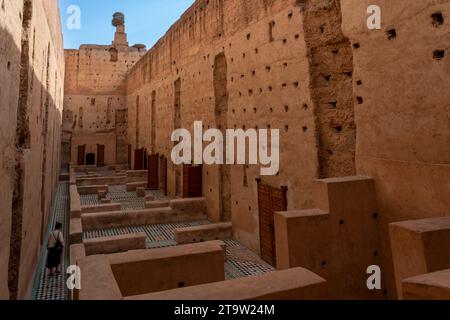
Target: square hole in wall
(438,54)
(437,19)
(391,34)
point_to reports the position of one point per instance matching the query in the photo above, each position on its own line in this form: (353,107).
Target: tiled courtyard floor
(54,288)
(240,261)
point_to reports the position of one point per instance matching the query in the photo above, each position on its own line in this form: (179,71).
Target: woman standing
(55,248)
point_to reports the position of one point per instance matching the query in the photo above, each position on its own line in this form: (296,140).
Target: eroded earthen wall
(32,75)
(402,107)
(347,100)
(95,95)
(263,82)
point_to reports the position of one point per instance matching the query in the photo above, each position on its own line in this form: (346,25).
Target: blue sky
(146,20)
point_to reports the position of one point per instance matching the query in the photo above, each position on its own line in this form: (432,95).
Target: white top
(53,236)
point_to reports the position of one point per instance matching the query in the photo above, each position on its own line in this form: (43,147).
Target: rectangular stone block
(136,173)
(209,232)
(76,231)
(101,208)
(86,190)
(132,186)
(292,284)
(75,202)
(106,245)
(419,247)
(145,271)
(72,177)
(95,179)
(136,176)
(157,204)
(102,194)
(98,282)
(116,219)
(430,286)
(140,192)
(296,232)
(77,253)
(338,240)
(189,205)
(83,168)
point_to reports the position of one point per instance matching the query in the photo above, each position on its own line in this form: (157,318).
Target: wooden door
(139,159)
(163,175)
(270,200)
(81,155)
(192,181)
(145,166)
(153,172)
(129,157)
(100,155)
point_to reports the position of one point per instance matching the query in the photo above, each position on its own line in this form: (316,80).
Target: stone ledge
(292,284)
(431,286)
(101,208)
(97,279)
(157,204)
(168,268)
(77,253)
(220,231)
(418,246)
(112,276)
(125,218)
(76,231)
(108,245)
(132,186)
(100,180)
(75,202)
(87,190)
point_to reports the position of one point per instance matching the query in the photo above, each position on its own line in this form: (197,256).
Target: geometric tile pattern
(158,236)
(240,261)
(54,288)
(119,194)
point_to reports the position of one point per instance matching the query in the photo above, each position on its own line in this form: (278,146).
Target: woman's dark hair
(58,226)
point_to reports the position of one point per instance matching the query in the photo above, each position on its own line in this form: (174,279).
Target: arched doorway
(90,159)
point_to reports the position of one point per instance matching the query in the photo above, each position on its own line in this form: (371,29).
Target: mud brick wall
(401,96)
(32,83)
(94,99)
(247,64)
(228,57)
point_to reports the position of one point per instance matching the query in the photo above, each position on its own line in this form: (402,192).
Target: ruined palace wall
(106,139)
(95,91)
(32,73)
(403,110)
(267,79)
(10,32)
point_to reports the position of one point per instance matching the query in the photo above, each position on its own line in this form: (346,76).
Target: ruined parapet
(120,37)
(140,47)
(338,240)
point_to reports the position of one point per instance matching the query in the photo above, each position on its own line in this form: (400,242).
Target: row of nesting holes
(268,126)
(271,26)
(437,20)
